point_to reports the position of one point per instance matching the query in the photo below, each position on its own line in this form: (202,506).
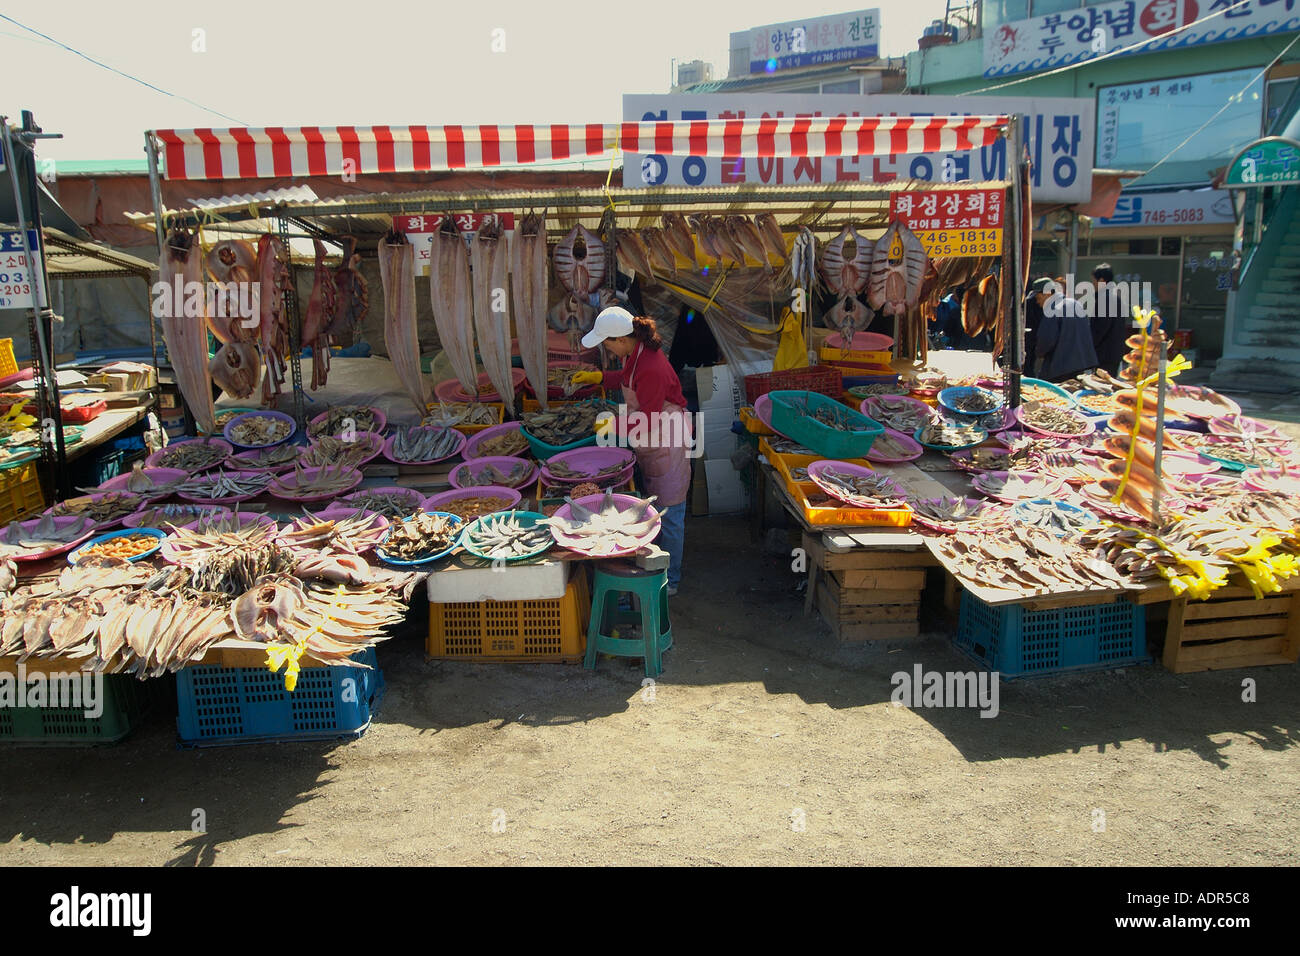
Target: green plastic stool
(650,588)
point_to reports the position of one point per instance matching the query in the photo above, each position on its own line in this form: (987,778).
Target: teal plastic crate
(239,705)
(126,701)
(789,419)
(1017,642)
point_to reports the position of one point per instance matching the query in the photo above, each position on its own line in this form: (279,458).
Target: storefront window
(998,12)
(1044,7)
(1138,124)
(1207,274)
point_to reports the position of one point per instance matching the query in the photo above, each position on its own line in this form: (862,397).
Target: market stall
(340,514)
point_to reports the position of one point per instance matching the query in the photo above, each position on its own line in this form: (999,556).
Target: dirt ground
(764,742)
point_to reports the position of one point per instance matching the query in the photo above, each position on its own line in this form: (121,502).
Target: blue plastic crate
(234,705)
(107,466)
(1017,642)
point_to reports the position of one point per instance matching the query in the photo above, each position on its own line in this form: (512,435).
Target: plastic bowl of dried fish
(463,415)
(223,417)
(105,508)
(558,384)
(1242,427)
(259,429)
(508,536)
(273,458)
(502,470)
(879,388)
(43,537)
(893,448)
(191,455)
(149,483)
(134,544)
(315,484)
(470,503)
(1054,421)
(1059,517)
(1095,403)
(1015,486)
(986,458)
(225,487)
(354,451)
(232,533)
(420,445)
(946,513)
(763,411)
(1282,479)
(1238,456)
(899,412)
(604,466)
(347,418)
(1047,393)
(562,427)
(605,526)
(174,515)
(451,390)
(499,441)
(391,501)
(940,436)
(856,485)
(970,400)
(420,538)
(1200,402)
(337,529)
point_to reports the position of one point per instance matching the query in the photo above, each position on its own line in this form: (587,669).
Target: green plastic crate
(789,420)
(126,700)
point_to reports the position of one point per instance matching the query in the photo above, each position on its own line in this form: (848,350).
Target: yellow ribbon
(277,655)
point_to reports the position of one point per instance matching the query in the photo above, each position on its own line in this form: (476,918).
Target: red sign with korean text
(931,209)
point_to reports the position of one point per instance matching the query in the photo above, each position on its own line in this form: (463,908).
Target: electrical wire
(135,79)
(1105,56)
(1236,97)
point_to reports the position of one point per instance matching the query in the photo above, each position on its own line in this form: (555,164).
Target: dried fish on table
(332,479)
(606,530)
(561,469)
(161,516)
(470,508)
(393,504)
(224,484)
(275,456)
(192,456)
(106,507)
(505,536)
(1025,560)
(1015,486)
(451,414)
(784,446)
(422,536)
(954,436)
(1249,453)
(951,510)
(468,477)
(510,443)
(1043,396)
(864,491)
(1054,516)
(44,534)
(328,450)
(346,418)
(887,446)
(420,444)
(353,532)
(565,424)
(1052,418)
(234,572)
(261,430)
(899,413)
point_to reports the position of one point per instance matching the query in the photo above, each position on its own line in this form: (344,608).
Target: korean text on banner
(952,222)
(1060,135)
(420,230)
(17,282)
(814,41)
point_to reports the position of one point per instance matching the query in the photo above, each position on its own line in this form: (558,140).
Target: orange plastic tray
(846,514)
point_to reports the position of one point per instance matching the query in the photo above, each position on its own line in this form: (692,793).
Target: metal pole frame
(1016,337)
(155,196)
(53,453)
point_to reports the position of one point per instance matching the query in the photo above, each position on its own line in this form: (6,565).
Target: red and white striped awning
(276,152)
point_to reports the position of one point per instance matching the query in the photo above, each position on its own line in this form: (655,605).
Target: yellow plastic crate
(20,492)
(546,631)
(843,514)
(8,366)
(786,464)
(753,424)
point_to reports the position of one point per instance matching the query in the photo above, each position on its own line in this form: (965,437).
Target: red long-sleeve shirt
(648,374)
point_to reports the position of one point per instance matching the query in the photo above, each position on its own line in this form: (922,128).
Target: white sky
(328,63)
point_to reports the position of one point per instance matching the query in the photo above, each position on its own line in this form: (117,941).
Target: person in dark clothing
(693,343)
(1033,322)
(1064,337)
(946,327)
(1109,319)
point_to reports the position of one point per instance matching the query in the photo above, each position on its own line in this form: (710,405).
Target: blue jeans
(672,535)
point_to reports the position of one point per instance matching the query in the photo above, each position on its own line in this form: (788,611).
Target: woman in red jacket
(663,439)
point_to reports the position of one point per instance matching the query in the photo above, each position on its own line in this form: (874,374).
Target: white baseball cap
(610,324)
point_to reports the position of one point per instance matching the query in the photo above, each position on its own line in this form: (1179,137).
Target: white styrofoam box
(719,440)
(727,493)
(514,582)
(720,390)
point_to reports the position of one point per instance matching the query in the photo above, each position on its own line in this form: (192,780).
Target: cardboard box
(727,493)
(699,492)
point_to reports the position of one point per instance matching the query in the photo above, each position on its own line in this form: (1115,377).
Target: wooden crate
(1232,630)
(866,595)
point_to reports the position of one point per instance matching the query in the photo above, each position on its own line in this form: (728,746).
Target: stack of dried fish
(451,414)
(506,444)
(1024,560)
(1043,396)
(23,538)
(162,516)
(946,510)
(102,509)
(560,378)
(1054,516)
(220,485)
(470,508)
(346,419)
(565,472)
(420,445)
(273,458)
(328,450)
(607,530)
(1015,486)
(329,480)
(1143,358)
(401,336)
(353,532)
(863,491)
(423,536)
(564,425)
(468,477)
(952,436)
(217,536)
(506,536)
(392,503)
(1052,418)
(899,413)
(192,456)
(977,401)
(258,430)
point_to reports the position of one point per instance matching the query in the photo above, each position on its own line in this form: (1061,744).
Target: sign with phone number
(958,243)
(16,286)
(420,230)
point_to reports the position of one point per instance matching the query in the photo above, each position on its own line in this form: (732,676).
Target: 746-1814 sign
(17,287)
